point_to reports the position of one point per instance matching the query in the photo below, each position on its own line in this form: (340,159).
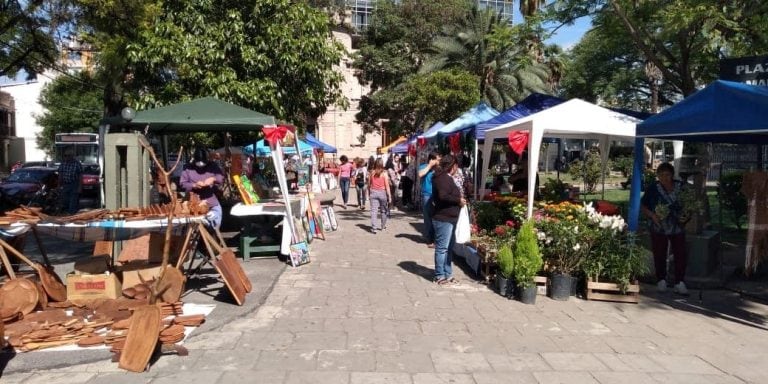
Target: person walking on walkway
(345,173)
(661,204)
(378,188)
(426,172)
(70,171)
(448,202)
(361,179)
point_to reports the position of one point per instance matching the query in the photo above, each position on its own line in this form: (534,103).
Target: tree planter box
(541,285)
(610,292)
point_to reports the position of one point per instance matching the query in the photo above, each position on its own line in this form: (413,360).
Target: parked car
(44,163)
(22,185)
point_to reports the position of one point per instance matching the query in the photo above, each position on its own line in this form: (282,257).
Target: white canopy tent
(574,118)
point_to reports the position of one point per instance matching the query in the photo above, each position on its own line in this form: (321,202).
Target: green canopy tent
(206,114)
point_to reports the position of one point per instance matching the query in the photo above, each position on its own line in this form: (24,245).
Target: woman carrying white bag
(448,202)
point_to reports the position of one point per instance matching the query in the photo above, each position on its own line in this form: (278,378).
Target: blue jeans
(444,239)
(426,211)
(214,216)
(344,184)
(70,197)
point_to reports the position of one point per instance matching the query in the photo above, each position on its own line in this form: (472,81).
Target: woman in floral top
(662,205)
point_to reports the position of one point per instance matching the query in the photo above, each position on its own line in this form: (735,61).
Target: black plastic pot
(527,295)
(560,287)
(504,286)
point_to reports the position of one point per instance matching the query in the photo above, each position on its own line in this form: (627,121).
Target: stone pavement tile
(107,366)
(370,341)
(504,378)
(633,330)
(311,284)
(622,344)
(319,340)
(493,328)
(248,376)
(119,378)
(358,325)
(288,360)
(517,362)
(581,344)
(305,301)
(565,378)
(526,344)
(629,362)
(396,326)
(380,378)
(585,327)
(573,361)
(59,377)
(346,360)
(265,340)
(476,343)
(750,368)
(15,378)
(443,378)
(196,376)
(213,340)
(372,311)
(415,313)
(443,328)
(249,324)
(410,362)
(684,364)
(430,302)
(315,377)
(227,361)
(686,378)
(422,343)
(545,328)
(327,292)
(622,377)
(454,315)
(299,325)
(459,362)
(330,311)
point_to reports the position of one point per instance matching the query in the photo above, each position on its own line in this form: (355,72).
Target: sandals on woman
(446,281)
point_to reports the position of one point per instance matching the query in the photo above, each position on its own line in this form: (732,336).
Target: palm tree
(530,7)
(487,46)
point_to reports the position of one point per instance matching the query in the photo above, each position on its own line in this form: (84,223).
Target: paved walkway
(365,312)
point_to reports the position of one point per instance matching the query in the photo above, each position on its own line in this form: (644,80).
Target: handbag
(463,230)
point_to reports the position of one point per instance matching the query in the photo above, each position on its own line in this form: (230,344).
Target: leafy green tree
(71,104)
(486,45)
(27,30)
(274,56)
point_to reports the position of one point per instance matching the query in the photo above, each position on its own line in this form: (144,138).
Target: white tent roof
(574,118)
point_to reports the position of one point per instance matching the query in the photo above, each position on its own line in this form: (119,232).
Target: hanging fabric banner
(455,142)
(422,142)
(518,140)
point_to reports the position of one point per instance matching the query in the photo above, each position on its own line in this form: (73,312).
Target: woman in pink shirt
(379,195)
(345,173)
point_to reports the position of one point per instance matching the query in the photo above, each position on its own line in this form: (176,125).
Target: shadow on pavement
(415,238)
(417,269)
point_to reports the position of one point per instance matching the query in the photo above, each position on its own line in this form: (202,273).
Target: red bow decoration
(422,141)
(455,142)
(275,133)
(518,140)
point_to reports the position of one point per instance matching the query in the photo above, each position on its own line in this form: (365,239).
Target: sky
(567,36)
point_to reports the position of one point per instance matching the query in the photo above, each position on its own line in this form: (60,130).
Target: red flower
(510,223)
(500,230)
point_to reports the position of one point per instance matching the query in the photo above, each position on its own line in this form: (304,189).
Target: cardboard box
(132,271)
(101,286)
(149,248)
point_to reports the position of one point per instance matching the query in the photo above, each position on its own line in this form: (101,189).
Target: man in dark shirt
(70,171)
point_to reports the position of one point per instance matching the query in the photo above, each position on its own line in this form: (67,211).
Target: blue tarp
(535,102)
(313,141)
(723,112)
(262,148)
(479,113)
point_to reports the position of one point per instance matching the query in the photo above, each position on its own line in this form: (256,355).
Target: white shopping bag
(463,228)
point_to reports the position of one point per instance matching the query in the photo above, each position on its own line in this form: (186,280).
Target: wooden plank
(231,277)
(612,297)
(611,287)
(229,255)
(142,338)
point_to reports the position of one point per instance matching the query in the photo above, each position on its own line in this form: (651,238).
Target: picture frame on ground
(299,253)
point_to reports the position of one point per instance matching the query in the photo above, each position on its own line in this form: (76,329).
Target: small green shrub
(527,258)
(731,198)
(554,190)
(589,171)
(624,165)
(487,216)
(505,261)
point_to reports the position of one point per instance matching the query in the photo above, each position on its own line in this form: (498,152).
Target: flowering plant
(565,235)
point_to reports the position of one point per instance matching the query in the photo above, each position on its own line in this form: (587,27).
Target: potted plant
(565,236)
(504,275)
(527,263)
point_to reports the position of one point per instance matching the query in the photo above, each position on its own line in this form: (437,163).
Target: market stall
(572,119)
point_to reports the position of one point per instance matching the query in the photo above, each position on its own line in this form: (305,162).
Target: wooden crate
(541,285)
(610,292)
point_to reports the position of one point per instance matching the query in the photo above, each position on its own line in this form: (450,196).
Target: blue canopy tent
(432,131)
(723,112)
(535,102)
(469,119)
(262,149)
(314,142)
(403,147)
